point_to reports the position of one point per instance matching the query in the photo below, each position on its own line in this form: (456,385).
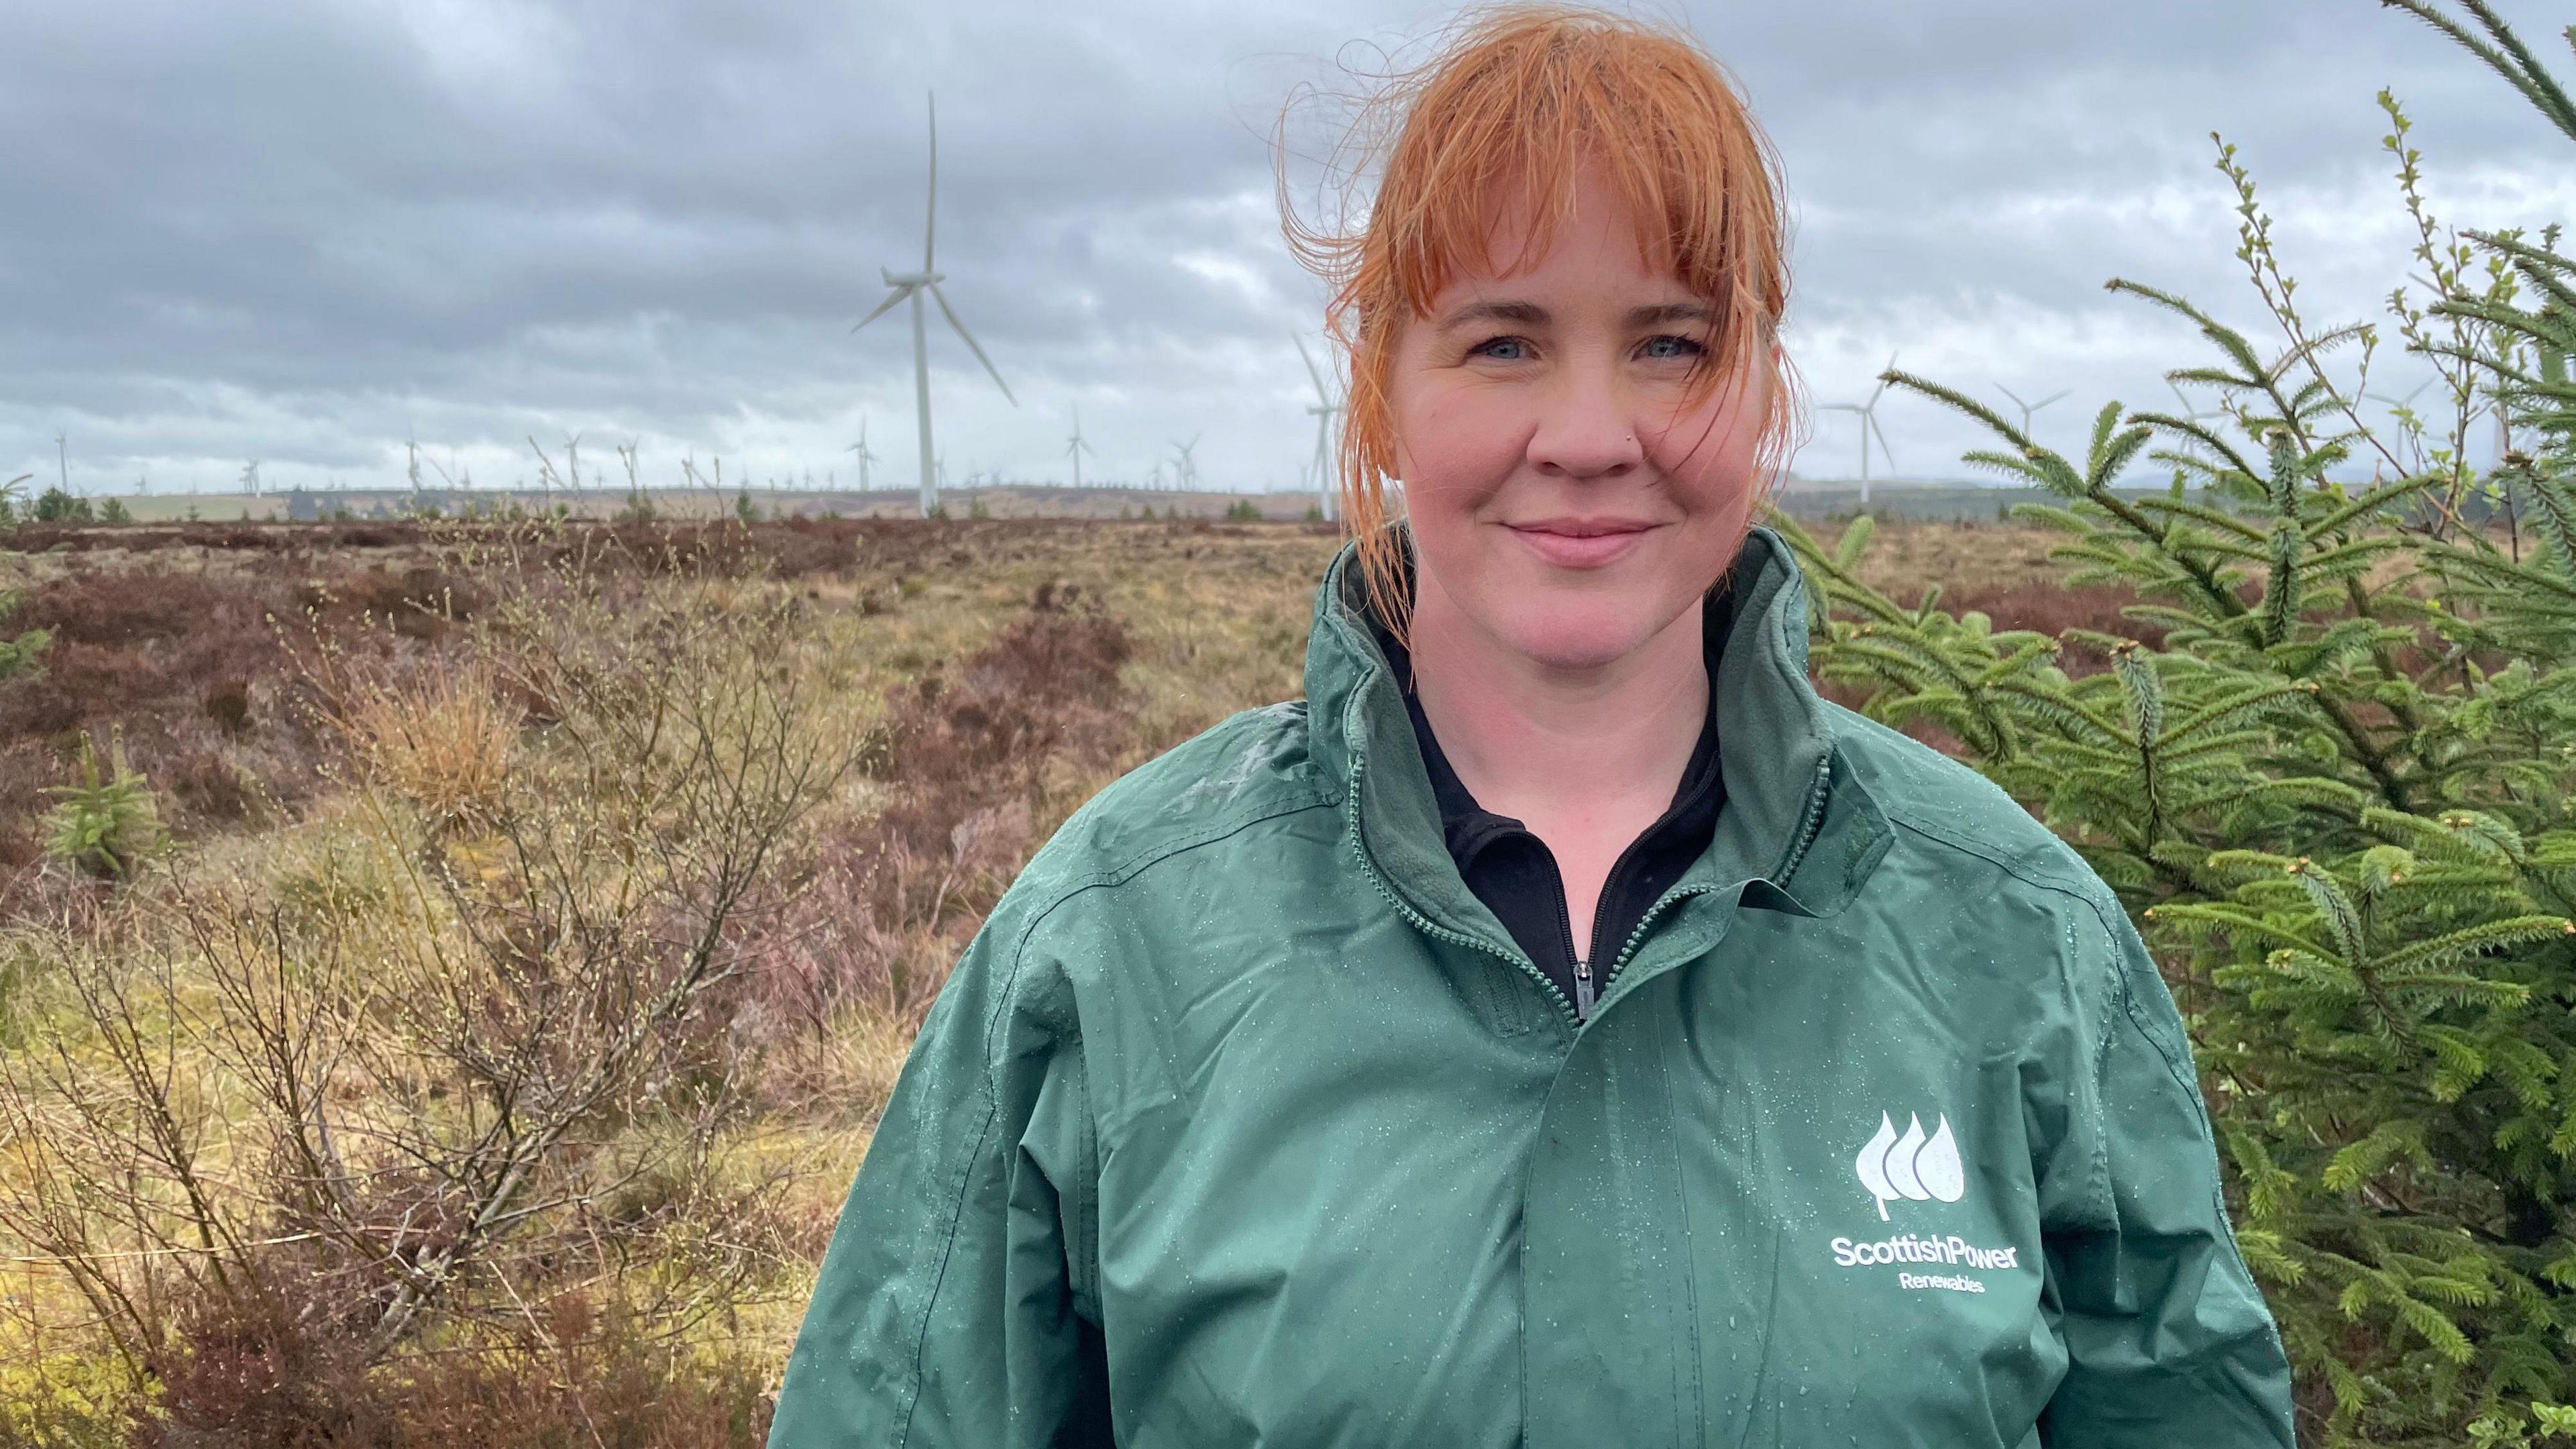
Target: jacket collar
(1797,832)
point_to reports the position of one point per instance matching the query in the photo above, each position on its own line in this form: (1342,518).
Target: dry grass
(440,737)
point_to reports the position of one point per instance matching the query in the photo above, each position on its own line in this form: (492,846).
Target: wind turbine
(1321,410)
(864,455)
(1868,427)
(1185,468)
(912,285)
(1075,447)
(2190,414)
(2027,408)
(2394,403)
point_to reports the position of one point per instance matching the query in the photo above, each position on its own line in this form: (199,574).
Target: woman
(1562,1028)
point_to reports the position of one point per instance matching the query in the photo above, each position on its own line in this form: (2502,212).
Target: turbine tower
(864,455)
(1075,447)
(1185,469)
(1321,410)
(902,285)
(1869,426)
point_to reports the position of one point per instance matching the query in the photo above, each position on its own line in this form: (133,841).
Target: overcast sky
(296,230)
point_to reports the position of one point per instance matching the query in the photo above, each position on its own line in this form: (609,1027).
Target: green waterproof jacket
(1243,1122)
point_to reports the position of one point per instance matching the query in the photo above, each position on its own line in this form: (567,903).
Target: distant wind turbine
(1075,447)
(911,285)
(1185,468)
(1869,428)
(2407,401)
(2028,408)
(1321,410)
(2402,406)
(864,455)
(2194,448)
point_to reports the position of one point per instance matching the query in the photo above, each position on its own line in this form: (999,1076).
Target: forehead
(1587,240)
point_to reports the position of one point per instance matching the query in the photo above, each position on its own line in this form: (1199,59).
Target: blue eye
(1672,346)
(1501,349)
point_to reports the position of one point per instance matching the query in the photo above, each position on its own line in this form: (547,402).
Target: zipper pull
(1583,991)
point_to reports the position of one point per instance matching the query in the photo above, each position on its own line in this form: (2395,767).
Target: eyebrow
(1530,314)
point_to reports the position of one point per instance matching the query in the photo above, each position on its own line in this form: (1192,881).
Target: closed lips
(1581,527)
(1581,543)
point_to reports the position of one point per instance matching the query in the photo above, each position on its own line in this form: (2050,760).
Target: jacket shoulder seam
(1135,862)
(2019,869)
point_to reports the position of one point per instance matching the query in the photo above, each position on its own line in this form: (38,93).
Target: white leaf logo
(1913,1167)
(1937,1166)
(1872,1164)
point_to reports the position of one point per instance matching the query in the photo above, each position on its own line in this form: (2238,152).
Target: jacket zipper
(1582,964)
(1585,988)
(1808,823)
(1422,923)
(1579,1009)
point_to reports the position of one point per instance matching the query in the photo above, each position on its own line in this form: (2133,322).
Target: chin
(1576,633)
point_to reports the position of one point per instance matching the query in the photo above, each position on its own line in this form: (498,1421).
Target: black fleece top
(1515,875)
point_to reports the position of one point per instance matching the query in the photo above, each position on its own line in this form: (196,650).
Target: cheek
(1710,458)
(1456,445)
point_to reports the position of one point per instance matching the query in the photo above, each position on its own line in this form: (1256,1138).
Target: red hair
(1519,99)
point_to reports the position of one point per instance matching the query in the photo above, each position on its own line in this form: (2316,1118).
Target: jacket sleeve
(950,1309)
(2168,1340)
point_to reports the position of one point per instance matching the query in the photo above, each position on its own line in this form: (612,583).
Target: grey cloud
(295,230)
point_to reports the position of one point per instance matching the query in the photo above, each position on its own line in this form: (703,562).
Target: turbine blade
(1886,454)
(1312,375)
(951,314)
(897,295)
(2052,397)
(930,211)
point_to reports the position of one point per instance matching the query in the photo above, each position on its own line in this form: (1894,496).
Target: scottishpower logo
(1912,1166)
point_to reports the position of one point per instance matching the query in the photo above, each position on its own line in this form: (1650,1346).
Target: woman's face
(1563,499)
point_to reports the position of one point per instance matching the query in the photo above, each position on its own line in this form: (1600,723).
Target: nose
(1584,428)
